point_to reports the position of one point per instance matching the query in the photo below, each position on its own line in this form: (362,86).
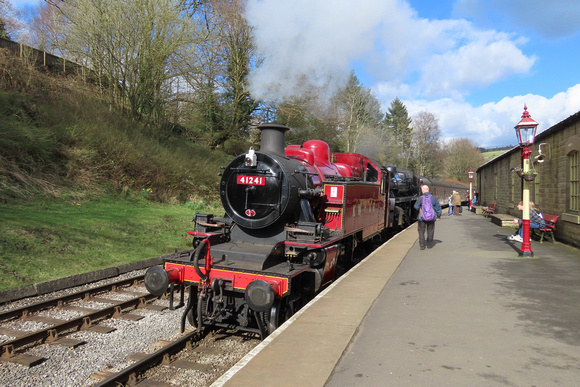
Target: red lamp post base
(526,249)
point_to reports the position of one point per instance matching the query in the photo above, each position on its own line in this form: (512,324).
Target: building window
(574,159)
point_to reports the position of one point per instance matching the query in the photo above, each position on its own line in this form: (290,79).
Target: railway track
(87,319)
(118,334)
(194,359)
(145,362)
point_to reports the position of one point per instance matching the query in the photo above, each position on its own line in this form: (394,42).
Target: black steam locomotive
(295,219)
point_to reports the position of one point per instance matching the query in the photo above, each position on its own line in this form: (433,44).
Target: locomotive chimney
(272,138)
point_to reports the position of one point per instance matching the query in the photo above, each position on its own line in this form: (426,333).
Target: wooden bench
(548,230)
(489,210)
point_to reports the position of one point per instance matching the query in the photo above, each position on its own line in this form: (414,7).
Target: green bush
(235,147)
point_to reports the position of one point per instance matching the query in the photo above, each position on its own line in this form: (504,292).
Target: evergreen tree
(358,112)
(398,134)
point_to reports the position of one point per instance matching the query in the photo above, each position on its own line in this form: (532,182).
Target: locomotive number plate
(251,180)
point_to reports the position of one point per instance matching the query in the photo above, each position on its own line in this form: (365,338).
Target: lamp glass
(526,134)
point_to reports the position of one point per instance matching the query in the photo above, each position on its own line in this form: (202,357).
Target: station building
(555,189)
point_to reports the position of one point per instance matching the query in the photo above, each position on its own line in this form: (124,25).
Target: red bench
(489,210)
(548,230)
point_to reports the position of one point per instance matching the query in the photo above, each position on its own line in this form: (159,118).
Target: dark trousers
(430,226)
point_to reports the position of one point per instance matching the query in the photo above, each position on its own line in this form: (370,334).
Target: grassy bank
(48,239)
(60,147)
(492,154)
(83,186)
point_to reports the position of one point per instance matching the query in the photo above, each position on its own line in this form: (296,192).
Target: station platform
(468,312)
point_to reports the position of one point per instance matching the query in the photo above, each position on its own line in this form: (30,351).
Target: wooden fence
(43,59)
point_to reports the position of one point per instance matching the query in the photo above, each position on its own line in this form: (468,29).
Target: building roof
(546,133)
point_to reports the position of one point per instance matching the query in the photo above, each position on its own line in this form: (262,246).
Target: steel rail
(9,348)
(61,300)
(129,375)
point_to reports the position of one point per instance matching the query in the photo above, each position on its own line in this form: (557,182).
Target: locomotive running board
(253,257)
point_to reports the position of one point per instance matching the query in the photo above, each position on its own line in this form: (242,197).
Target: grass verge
(49,239)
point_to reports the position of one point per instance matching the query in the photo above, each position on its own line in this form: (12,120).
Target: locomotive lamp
(470,174)
(251,159)
(526,134)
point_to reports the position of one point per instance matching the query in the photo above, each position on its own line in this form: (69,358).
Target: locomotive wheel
(281,311)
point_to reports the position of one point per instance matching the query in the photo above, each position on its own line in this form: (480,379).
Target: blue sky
(21,4)
(473,63)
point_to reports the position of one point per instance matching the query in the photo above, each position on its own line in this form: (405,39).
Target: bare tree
(221,107)
(309,115)
(425,144)
(44,31)
(235,36)
(461,154)
(10,26)
(131,45)
(3,18)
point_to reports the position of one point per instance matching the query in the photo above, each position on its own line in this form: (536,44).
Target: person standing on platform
(456,201)
(450,206)
(429,212)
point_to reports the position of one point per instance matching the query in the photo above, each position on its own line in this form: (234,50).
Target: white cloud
(481,62)
(414,59)
(492,124)
(313,38)
(320,39)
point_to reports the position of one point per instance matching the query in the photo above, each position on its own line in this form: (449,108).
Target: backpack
(428,214)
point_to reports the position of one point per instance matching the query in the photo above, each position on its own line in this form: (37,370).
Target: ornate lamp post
(526,133)
(470,174)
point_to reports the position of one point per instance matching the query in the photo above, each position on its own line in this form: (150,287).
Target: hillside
(489,155)
(58,138)
(82,187)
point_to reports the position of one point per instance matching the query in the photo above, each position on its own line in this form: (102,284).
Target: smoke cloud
(323,40)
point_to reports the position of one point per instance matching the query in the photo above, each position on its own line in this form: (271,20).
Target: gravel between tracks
(74,366)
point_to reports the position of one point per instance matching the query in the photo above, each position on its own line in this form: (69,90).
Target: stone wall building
(556,189)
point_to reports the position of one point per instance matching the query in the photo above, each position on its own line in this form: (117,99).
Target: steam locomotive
(296,218)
